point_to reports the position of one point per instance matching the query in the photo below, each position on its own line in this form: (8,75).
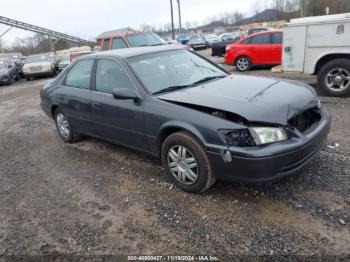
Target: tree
(238,17)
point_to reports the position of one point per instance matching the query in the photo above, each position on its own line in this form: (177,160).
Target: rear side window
(110,75)
(277,38)
(118,43)
(79,75)
(106,44)
(261,39)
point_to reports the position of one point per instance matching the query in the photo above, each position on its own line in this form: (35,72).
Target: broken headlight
(239,138)
(268,135)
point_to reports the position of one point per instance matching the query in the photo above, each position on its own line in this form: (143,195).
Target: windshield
(173,68)
(2,65)
(145,39)
(36,59)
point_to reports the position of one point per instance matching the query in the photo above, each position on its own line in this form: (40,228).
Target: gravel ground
(95,198)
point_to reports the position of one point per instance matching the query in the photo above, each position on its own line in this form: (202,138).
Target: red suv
(263,48)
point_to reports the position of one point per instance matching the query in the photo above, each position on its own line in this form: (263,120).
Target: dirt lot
(94,198)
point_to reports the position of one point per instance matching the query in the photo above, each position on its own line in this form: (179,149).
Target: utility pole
(179,7)
(301,3)
(172,20)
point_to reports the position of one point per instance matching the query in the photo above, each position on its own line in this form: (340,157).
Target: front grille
(36,68)
(304,121)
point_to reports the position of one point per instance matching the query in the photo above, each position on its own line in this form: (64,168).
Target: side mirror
(124,94)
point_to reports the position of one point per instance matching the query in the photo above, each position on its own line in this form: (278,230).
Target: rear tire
(189,168)
(243,63)
(64,129)
(334,78)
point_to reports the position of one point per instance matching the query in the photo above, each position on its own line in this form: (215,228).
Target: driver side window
(110,75)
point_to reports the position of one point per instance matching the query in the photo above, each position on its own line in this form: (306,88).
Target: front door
(261,49)
(118,120)
(276,53)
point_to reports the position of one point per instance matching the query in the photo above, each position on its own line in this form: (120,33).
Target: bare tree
(238,17)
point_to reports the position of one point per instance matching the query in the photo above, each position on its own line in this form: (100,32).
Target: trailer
(320,46)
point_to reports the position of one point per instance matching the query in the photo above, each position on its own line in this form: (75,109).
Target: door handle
(96,107)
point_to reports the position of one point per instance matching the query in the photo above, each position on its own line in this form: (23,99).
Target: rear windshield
(144,39)
(36,59)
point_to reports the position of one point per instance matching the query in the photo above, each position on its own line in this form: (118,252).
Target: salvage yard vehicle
(263,48)
(203,123)
(320,46)
(219,48)
(8,72)
(39,65)
(126,38)
(211,39)
(17,58)
(64,61)
(197,43)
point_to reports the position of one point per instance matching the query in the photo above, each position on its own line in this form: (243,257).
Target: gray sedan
(203,123)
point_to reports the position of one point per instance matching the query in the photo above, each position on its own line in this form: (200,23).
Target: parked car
(257,30)
(320,46)
(197,43)
(183,39)
(64,62)
(17,58)
(39,65)
(211,39)
(8,72)
(264,48)
(202,122)
(219,48)
(126,39)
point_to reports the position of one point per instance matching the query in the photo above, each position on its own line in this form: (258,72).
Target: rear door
(74,95)
(118,120)
(261,48)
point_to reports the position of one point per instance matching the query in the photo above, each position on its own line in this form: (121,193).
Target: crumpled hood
(257,99)
(3,72)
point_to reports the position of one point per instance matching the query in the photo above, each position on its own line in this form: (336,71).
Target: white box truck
(320,45)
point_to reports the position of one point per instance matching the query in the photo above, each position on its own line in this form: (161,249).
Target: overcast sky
(88,18)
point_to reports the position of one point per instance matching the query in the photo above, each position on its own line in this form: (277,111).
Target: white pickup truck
(320,46)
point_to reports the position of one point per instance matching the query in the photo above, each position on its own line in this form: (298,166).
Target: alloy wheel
(62,125)
(183,165)
(242,63)
(338,79)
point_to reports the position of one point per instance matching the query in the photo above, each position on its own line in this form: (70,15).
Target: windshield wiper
(209,78)
(172,88)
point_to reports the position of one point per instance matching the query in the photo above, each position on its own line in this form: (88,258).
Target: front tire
(186,163)
(334,77)
(243,63)
(64,129)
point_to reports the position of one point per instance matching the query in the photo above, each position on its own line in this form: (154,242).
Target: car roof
(136,51)
(266,32)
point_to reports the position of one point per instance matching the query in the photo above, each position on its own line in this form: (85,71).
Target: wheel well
(169,131)
(53,109)
(324,60)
